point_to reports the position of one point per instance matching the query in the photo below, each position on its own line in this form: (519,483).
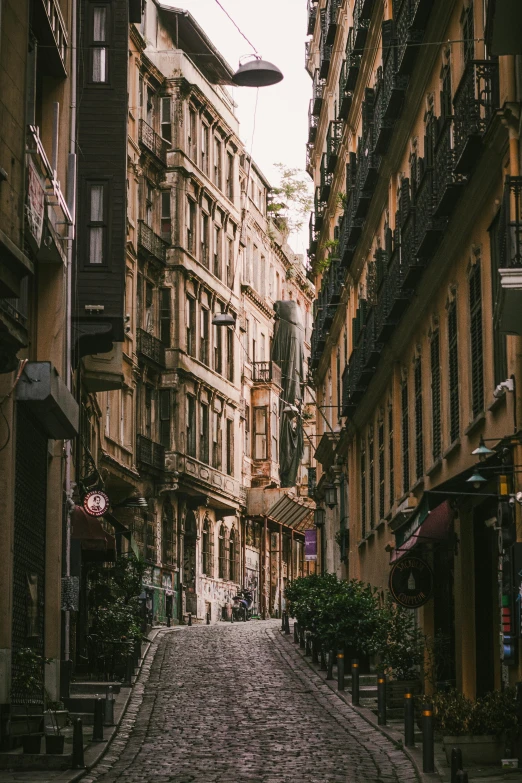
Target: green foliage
(342,198)
(113,599)
(494,713)
(28,678)
(401,643)
(118,621)
(294,197)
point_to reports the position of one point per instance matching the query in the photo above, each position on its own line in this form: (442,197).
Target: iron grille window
(216,440)
(468,34)
(363,493)
(391,474)
(381,469)
(230,447)
(405,437)
(233,557)
(165,316)
(164,417)
(191,425)
(499,338)
(168,538)
(204,433)
(222,553)
(371,457)
(475,317)
(419,436)
(191,326)
(435,396)
(453,356)
(205,548)
(446,107)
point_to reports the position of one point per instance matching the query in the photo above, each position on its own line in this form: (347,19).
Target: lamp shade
(482,451)
(330,495)
(223,319)
(319,516)
(476,480)
(257,73)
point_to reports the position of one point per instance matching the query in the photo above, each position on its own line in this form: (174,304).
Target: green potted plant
(401,647)
(54,739)
(27,686)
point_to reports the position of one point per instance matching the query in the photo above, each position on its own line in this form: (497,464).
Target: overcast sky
(277,28)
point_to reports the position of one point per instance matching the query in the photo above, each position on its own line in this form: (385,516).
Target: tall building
(415,239)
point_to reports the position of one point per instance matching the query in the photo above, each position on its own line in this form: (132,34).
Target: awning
(293,512)
(98,546)
(426,527)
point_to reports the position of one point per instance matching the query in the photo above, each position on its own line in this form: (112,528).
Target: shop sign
(310,545)
(35,203)
(411,582)
(96,503)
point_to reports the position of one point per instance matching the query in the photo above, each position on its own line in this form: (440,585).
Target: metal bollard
(97,729)
(409,721)
(329,666)
(168,621)
(355,682)
(322,660)
(456,763)
(77,745)
(287,624)
(208,618)
(283,620)
(462,776)
(340,671)
(308,644)
(129,668)
(381,700)
(109,707)
(302,638)
(189,619)
(315,651)
(296,632)
(428,754)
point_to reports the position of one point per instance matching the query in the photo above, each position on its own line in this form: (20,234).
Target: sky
(277,28)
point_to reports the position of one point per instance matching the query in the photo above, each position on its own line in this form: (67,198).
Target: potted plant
(401,648)
(28,687)
(54,740)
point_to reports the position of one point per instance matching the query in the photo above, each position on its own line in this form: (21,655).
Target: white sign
(96,503)
(35,203)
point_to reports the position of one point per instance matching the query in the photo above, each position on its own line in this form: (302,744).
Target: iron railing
(353,61)
(151,348)
(311,16)
(319,208)
(332,12)
(393,83)
(266,372)
(153,142)
(151,242)
(345,95)
(313,122)
(368,162)
(333,143)
(429,228)
(326,178)
(447,184)
(312,236)
(318,85)
(510,230)
(150,453)
(475,102)
(325,57)
(409,27)
(361,22)
(350,233)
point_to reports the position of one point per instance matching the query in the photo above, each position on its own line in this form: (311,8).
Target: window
(436,440)
(217,162)
(168,539)
(205,250)
(191,425)
(222,552)
(271,281)
(218,349)
(166,127)
(165,316)
(247,432)
(363,491)
(371,458)
(149,109)
(446,106)
(500,370)
(216,440)
(230,354)
(274,433)
(262,276)
(248,261)
(99,44)
(191,226)
(338,379)
(405,415)
(260,444)
(391,473)
(166,220)
(475,317)
(149,307)
(192,134)
(204,335)
(151,553)
(149,395)
(230,176)
(217,251)
(164,416)
(207,549)
(381,468)
(453,375)
(468,34)
(230,262)
(419,435)
(149,203)
(205,141)
(233,551)
(204,434)
(97,224)
(230,447)
(190,317)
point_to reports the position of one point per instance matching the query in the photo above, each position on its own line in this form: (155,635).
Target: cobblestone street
(234,703)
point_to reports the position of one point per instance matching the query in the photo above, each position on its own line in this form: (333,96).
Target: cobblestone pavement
(233,704)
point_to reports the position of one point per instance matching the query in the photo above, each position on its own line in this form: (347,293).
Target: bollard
(129,668)
(109,707)
(428,756)
(189,619)
(97,729)
(168,621)
(296,632)
(381,700)
(462,776)
(456,763)
(77,745)
(283,620)
(208,618)
(329,667)
(315,651)
(355,682)
(340,671)
(409,720)
(287,624)
(322,660)
(302,637)
(308,644)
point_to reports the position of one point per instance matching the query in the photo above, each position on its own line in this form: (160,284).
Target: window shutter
(475,311)
(363,491)
(435,396)
(453,372)
(419,436)
(405,437)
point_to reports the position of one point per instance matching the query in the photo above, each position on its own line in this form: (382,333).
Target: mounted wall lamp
(319,516)
(482,451)
(476,480)
(133,502)
(223,319)
(330,495)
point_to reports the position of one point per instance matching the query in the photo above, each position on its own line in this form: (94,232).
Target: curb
(413,754)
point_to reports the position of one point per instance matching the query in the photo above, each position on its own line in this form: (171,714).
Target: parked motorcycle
(242,606)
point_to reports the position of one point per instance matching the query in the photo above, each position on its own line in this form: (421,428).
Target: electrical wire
(237,27)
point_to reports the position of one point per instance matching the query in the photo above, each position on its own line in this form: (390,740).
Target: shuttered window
(436,442)
(405,437)
(371,453)
(391,465)
(419,435)
(453,375)
(499,338)
(363,492)
(475,318)
(381,469)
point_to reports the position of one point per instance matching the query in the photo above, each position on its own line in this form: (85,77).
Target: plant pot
(395,690)
(476,750)
(31,743)
(54,743)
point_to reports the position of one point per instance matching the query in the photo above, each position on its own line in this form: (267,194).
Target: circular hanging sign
(96,503)
(411,582)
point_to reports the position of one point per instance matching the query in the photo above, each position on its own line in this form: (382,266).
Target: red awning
(97,544)
(435,527)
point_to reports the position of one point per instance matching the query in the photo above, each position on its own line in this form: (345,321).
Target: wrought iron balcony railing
(394,84)
(350,233)
(325,57)
(368,163)
(311,16)
(150,453)
(345,95)
(447,184)
(332,12)
(312,236)
(383,125)
(151,348)
(266,372)
(429,229)
(333,143)
(318,85)
(326,178)
(410,17)
(313,122)
(476,100)
(393,297)
(361,22)
(510,229)
(353,61)
(151,242)
(153,142)
(319,208)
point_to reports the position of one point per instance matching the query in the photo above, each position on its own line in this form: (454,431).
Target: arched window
(222,555)
(207,548)
(232,547)
(168,534)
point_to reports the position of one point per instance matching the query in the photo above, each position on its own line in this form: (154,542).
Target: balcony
(266,372)
(312,236)
(332,12)
(333,143)
(475,102)
(393,83)
(345,96)
(353,61)
(429,228)
(318,85)
(510,257)
(350,233)
(149,347)
(447,184)
(325,57)
(150,453)
(320,208)
(326,178)
(52,35)
(368,163)
(153,244)
(383,126)
(354,382)
(361,22)
(153,142)
(313,122)
(410,18)
(311,12)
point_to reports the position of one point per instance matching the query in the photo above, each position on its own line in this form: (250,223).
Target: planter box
(482,749)
(59,717)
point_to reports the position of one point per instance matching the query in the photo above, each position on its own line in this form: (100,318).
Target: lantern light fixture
(476,480)
(330,495)
(482,451)
(319,516)
(223,319)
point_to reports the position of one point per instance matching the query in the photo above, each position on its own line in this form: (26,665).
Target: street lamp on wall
(476,480)
(482,451)
(330,495)
(319,516)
